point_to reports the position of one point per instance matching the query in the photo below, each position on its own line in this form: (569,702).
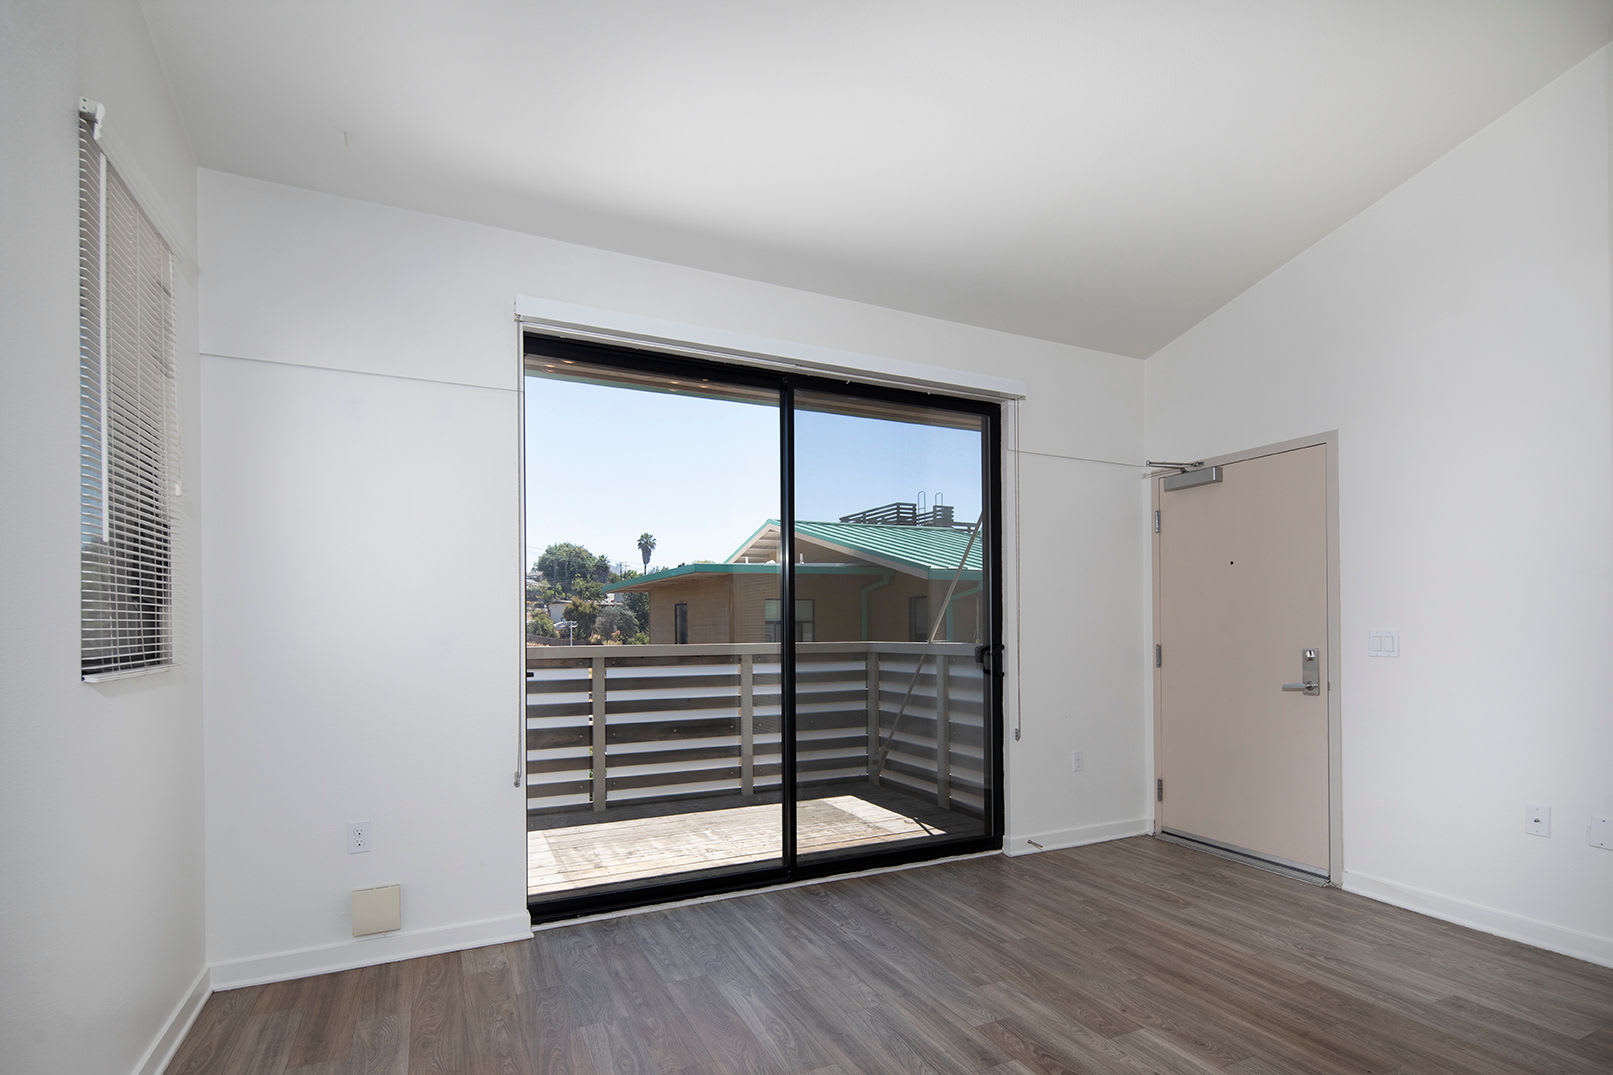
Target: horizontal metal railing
(614,725)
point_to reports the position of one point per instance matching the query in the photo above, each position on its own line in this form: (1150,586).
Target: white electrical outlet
(358,837)
(1077,763)
(1537,820)
(1601,834)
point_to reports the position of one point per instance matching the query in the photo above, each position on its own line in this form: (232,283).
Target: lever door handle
(1310,672)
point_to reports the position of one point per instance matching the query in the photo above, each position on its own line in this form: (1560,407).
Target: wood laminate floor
(1131,956)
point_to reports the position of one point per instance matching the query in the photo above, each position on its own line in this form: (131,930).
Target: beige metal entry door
(1243,583)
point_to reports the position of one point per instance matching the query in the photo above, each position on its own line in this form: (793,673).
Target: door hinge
(1159,656)
(1156,522)
(1159,790)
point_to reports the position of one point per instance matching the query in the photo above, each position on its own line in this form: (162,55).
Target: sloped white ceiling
(1099,173)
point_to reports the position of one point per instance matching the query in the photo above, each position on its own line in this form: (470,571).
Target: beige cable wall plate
(377,910)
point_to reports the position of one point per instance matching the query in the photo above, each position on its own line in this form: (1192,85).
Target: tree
(646,545)
(583,613)
(637,601)
(640,604)
(618,621)
(563,564)
(539,625)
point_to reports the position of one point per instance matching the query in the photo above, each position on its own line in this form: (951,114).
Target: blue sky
(604,464)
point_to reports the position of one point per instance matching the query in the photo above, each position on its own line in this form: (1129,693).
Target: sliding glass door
(652,709)
(758,611)
(892,623)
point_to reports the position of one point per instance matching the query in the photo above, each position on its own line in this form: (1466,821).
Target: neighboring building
(856,581)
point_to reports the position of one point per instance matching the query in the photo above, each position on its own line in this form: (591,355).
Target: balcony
(663,762)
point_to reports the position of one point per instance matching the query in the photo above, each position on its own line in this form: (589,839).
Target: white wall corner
(176,1026)
(369,951)
(1058,839)
(1514,927)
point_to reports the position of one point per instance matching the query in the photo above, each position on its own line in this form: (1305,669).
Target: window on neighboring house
(918,618)
(680,623)
(772,629)
(127,432)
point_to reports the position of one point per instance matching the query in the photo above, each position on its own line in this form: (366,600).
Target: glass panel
(893,729)
(653,703)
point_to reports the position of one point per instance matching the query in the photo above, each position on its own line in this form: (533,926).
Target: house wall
(710,602)
(839,617)
(332,327)
(1456,334)
(100,786)
(730,608)
(836,604)
(749,595)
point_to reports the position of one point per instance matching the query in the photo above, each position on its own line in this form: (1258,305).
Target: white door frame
(1335,804)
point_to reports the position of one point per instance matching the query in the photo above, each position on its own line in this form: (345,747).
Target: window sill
(129,673)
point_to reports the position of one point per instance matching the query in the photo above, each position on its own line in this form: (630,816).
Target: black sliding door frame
(785,383)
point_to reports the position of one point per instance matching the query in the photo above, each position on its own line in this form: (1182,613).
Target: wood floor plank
(264,1044)
(842,1028)
(213,1034)
(499,1039)
(558,1050)
(381,1046)
(656,1022)
(380,992)
(439,1037)
(1130,956)
(329,1007)
(1054,1047)
(1158,1053)
(783,1024)
(721,1033)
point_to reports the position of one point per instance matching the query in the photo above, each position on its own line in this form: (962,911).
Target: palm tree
(646,545)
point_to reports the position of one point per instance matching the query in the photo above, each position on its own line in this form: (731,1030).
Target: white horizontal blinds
(92,503)
(126,426)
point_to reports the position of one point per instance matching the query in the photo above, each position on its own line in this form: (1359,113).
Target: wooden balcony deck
(574,852)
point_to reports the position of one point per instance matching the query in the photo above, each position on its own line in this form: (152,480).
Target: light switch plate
(377,910)
(1383,643)
(1602,831)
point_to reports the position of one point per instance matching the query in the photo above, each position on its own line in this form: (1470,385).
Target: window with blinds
(127,435)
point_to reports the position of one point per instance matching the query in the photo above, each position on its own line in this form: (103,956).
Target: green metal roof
(737,569)
(937,550)
(923,550)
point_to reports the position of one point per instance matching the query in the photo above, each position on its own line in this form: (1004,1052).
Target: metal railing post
(597,691)
(873,716)
(747,726)
(943,736)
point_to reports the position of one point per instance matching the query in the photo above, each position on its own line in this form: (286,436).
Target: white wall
(1457,335)
(100,786)
(362,557)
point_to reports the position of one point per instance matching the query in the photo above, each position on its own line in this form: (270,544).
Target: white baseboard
(1083,834)
(368,951)
(178,1024)
(1514,927)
